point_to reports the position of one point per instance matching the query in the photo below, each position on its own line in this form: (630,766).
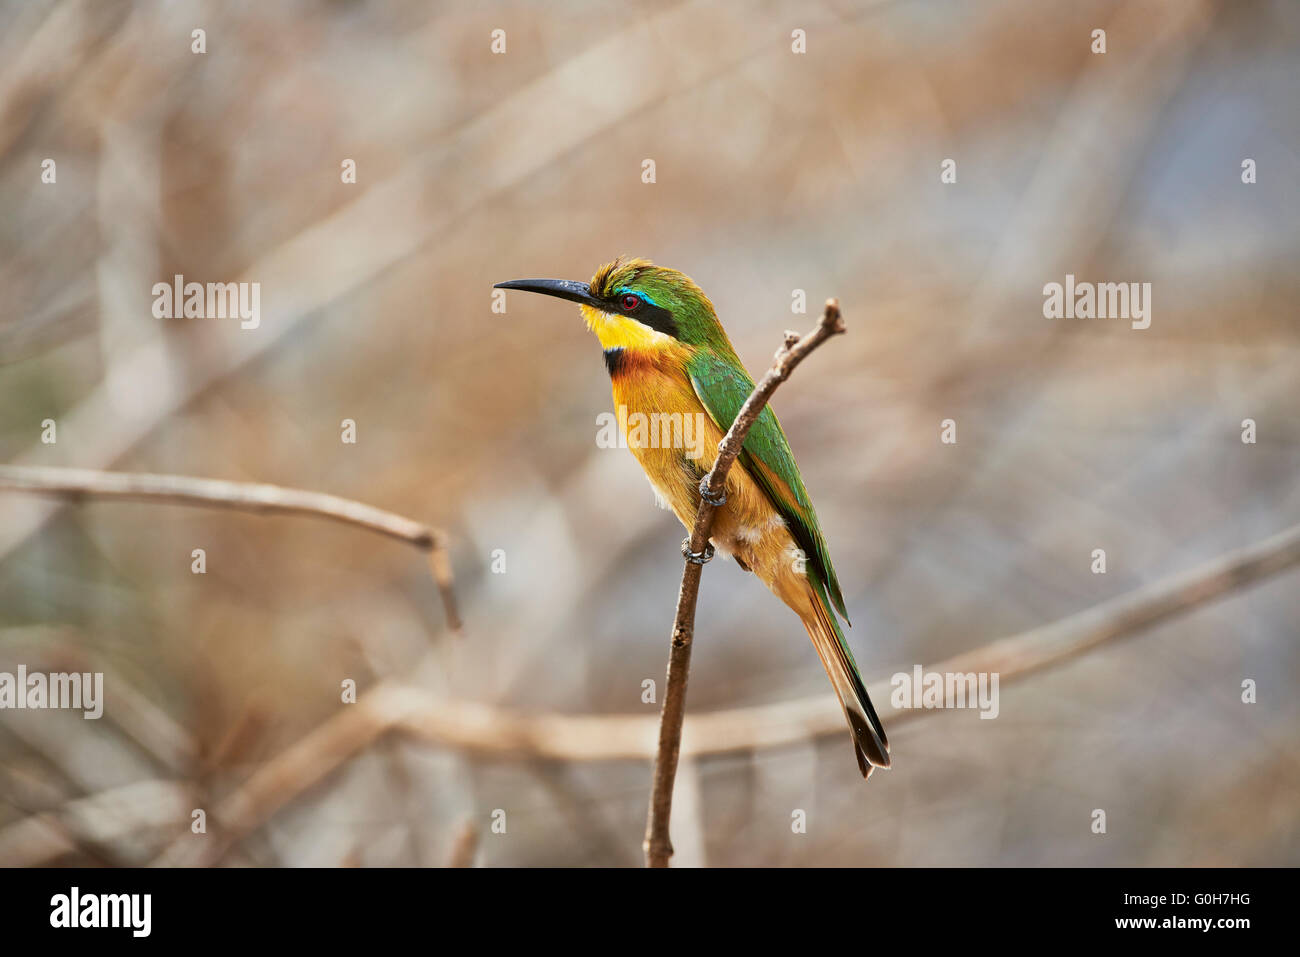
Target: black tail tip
(866,764)
(870,746)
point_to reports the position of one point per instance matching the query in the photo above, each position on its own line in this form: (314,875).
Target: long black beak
(560,288)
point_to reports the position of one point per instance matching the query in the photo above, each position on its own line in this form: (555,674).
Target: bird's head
(632,303)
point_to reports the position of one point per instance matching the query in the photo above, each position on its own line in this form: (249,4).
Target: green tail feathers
(870,742)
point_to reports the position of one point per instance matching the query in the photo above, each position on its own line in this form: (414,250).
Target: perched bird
(667,355)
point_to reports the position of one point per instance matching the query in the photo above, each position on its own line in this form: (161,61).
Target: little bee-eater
(668,355)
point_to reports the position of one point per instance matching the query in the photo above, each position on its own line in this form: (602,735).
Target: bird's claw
(697,558)
(715,500)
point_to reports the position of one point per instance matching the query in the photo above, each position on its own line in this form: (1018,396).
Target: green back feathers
(723,385)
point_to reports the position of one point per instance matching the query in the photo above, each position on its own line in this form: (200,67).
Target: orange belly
(676,442)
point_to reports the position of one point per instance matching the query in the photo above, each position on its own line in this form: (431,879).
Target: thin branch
(658,848)
(78,484)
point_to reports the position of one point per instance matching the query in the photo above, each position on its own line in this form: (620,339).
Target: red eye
(630,302)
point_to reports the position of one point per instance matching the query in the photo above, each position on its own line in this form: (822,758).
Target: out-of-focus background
(775,171)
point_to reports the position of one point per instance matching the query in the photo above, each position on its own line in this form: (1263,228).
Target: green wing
(722,387)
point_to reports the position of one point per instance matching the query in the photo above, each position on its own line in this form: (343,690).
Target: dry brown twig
(658,848)
(255,497)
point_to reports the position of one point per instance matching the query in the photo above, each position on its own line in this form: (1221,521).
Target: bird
(667,354)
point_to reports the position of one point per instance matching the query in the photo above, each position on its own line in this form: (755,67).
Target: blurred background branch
(78,484)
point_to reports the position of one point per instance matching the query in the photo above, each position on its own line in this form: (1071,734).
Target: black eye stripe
(648,314)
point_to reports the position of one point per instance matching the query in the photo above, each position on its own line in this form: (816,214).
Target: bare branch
(657,846)
(78,484)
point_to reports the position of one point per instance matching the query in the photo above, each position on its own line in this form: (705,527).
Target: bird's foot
(715,500)
(697,558)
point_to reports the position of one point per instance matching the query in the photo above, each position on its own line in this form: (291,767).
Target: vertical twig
(658,848)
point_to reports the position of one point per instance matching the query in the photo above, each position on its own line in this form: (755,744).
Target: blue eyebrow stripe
(621,290)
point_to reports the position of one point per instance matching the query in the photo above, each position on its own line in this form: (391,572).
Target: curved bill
(560,288)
